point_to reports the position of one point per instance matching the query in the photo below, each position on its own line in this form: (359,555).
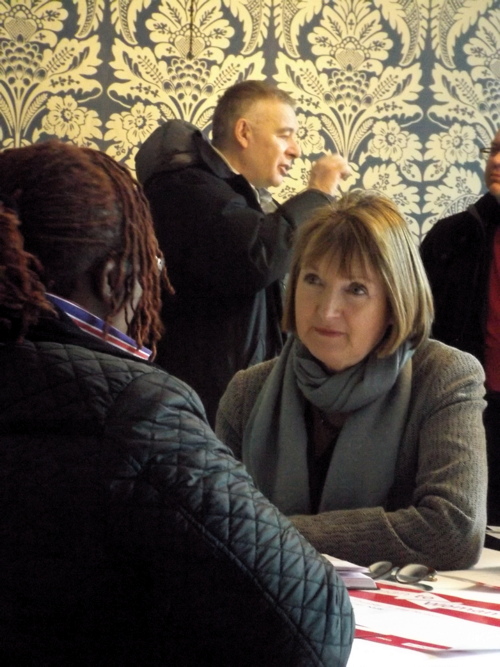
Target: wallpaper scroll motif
(45,78)
(407,90)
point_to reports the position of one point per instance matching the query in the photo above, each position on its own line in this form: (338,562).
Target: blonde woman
(365,432)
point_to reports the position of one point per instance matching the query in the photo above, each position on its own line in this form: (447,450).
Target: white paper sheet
(426,620)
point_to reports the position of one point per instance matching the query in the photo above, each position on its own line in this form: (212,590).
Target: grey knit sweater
(436,510)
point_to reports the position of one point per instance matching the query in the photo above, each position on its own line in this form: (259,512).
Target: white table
(459,582)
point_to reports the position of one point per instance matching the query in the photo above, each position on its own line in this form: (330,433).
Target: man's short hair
(235,102)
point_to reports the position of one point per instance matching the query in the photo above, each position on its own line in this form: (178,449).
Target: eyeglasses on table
(413,573)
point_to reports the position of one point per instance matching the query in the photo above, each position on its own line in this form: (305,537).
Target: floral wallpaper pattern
(407,90)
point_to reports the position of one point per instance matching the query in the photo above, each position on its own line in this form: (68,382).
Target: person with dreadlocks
(129,535)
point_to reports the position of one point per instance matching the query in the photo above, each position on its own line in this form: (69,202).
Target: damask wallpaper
(407,90)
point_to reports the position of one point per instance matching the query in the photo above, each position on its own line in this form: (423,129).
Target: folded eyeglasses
(408,574)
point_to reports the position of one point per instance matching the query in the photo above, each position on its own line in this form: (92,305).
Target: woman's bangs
(340,248)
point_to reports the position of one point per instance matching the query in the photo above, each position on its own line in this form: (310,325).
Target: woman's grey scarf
(375,393)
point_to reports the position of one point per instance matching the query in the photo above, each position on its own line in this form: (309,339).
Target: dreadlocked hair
(71,210)
(22,294)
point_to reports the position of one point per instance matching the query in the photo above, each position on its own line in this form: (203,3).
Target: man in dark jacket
(129,535)
(461,255)
(226,243)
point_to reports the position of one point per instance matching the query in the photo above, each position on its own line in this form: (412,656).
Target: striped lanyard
(96,327)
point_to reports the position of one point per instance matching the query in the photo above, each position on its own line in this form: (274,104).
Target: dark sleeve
(447,249)
(430,251)
(244,586)
(455,257)
(214,234)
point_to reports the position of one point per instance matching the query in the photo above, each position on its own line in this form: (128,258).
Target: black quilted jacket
(130,536)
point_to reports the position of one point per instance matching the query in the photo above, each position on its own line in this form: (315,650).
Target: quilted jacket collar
(63,330)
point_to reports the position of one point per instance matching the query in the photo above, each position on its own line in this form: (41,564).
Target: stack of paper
(353,576)
(426,621)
